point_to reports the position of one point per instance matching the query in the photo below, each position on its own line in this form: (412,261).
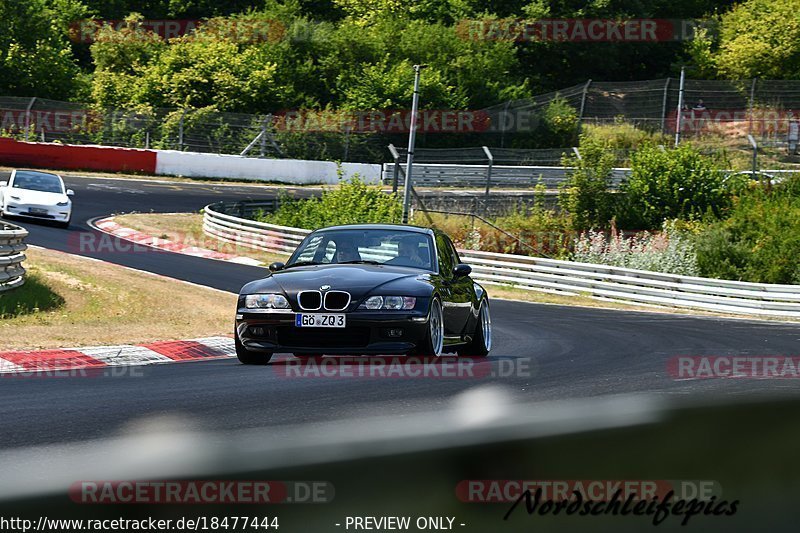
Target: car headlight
(389,302)
(62,204)
(266,301)
(14,197)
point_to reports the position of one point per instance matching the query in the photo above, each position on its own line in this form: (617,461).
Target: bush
(353,202)
(759,242)
(666,184)
(671,251)
(560,121)
(586,195)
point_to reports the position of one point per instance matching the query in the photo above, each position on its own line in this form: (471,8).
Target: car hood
(358,280)
(36,197)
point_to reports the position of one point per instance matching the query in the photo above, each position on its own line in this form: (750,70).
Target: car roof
(399,227)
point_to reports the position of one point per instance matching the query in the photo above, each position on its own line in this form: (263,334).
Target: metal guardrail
(12,248)
(555,276)
(488,176)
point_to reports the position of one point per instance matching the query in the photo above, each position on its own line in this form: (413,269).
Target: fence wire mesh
(769,110)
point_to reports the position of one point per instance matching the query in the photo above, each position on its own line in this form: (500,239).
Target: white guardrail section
(12,248)
(559,277)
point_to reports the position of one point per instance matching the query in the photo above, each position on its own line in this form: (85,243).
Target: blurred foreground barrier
(12,248)
(549,275)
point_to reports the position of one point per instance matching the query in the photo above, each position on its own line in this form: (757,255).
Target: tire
(246,357)
(433,343)
(481,343)
(63,225)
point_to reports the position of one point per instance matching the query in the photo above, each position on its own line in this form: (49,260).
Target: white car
(35,194)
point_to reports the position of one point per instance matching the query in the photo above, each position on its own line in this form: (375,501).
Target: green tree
(760,38)
(35,55)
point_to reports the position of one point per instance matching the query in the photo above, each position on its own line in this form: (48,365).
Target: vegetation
(759,241)
(670,250)
(352,202)
(666,184)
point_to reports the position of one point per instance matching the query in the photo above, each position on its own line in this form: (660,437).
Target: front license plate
(319,320)
(37,211)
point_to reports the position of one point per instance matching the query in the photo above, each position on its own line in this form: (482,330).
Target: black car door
(456,292)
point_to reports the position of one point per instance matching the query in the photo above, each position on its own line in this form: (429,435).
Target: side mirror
(277,265)
(461,270)
(70,192)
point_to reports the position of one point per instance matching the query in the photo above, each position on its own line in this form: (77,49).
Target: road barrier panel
(12,254)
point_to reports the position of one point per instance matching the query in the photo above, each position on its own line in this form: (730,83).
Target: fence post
(28,118)
(680,108)
(490,157)
(180,131)
(754,144)
(395,168)
(752,104)
(576,152)
(147,140)
(264,136)
(583,104)
(664,107)
(502,123)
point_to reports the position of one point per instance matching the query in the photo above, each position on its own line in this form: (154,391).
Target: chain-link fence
(722,112)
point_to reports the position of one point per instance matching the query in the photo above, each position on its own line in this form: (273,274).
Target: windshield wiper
(359,262)
(302,264)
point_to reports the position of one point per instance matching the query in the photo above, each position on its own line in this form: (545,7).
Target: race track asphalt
(541,352)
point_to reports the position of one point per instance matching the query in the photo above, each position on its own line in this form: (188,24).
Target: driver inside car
(346,251)
(408,253)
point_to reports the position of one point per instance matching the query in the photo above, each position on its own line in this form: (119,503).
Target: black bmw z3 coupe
(367,289)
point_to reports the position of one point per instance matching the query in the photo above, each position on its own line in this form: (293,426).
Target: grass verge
(187,228)
(70,301)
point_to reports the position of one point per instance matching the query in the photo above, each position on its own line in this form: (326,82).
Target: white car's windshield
(37,181)
(380,246)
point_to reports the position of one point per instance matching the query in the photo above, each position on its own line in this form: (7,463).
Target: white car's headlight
(266,301)
(389,302)
(17,198)
(62,204)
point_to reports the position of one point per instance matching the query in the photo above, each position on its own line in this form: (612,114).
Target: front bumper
(48,212)
(366,333)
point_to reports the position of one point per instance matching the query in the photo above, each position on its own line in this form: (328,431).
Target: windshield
(377,246)
(37,181)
